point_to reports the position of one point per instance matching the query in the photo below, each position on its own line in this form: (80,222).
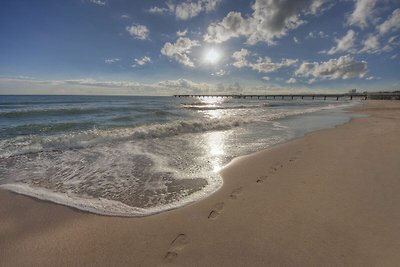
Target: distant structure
(352,94)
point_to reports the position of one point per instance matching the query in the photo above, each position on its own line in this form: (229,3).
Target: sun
(212,56)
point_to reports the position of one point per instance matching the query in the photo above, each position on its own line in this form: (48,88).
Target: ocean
(136,156)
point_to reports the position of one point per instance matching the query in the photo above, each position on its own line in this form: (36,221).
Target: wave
(210,107)
(28,129)
(75,111)
(36,143)
(32,144)
(47,112)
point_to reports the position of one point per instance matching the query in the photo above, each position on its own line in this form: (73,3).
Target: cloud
(266,78)
(233,25)
(392,23)
(315,34)
(240,58)
(98,2)
(180,50)
(124,16)
(344,67)
(264,65)
(345,44)
(270,20)
(185,86)
(291,80)
(93,82)
(140,32)
(142,61)
(296,40)
(89,86)
(363,13)
(181,33)
(220,73)
(111,60)
(158,10)
(188,9)
(371,45)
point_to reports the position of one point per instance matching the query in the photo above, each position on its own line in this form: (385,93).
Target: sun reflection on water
(216,149)
(215,141)
(211,105)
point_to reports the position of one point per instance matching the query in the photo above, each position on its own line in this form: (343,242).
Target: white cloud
(181,33)
(266,78)
(291,80)
(345,44)
(98,2)
(220,73)
(124,16)
(111,60)
(316,34)
(371,45)
(184,86)
(364,12)
(344,67)
(188,9)
(142,61)
(158,10)
(392,23)
(240,58)
(92,86)
(270,19)
(180,50)
(233,25)
(296,40)
(264,65)
(140,32)
(394,56)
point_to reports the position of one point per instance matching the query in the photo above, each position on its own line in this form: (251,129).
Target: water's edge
(105,207)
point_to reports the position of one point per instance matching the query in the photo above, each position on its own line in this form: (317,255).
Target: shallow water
(134,156)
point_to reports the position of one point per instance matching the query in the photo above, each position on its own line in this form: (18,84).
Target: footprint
(216,211)
(235,193)
(261,179)
(177,245)
(292,159)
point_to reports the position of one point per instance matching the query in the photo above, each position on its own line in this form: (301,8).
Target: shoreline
(112,208)
(276,206)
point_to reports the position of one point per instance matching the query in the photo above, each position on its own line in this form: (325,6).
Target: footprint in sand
(177,245)
(292,159)
(235,193)
(261,179)
(216,211)
(273,169)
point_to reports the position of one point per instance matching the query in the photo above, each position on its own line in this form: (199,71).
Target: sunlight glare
(212,56)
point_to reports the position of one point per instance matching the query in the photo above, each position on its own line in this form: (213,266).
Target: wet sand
(330,198)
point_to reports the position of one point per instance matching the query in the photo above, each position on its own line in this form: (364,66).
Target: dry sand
(331,198)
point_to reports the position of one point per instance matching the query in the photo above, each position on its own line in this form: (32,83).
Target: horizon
(162,48)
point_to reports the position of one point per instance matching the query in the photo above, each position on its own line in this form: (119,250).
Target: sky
(165,47)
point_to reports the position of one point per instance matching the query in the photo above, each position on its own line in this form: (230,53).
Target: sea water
(135,156)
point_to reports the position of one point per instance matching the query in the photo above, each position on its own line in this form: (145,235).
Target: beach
(330,198)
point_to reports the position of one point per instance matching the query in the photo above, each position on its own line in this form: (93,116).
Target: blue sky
(198,46)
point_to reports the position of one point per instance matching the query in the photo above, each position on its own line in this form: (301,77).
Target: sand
(331,198)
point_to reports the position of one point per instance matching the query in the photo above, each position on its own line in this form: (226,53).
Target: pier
(345,96)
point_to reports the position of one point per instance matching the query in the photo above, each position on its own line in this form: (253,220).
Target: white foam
(104,206)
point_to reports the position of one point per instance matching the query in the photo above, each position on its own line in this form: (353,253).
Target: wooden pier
(347,96)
